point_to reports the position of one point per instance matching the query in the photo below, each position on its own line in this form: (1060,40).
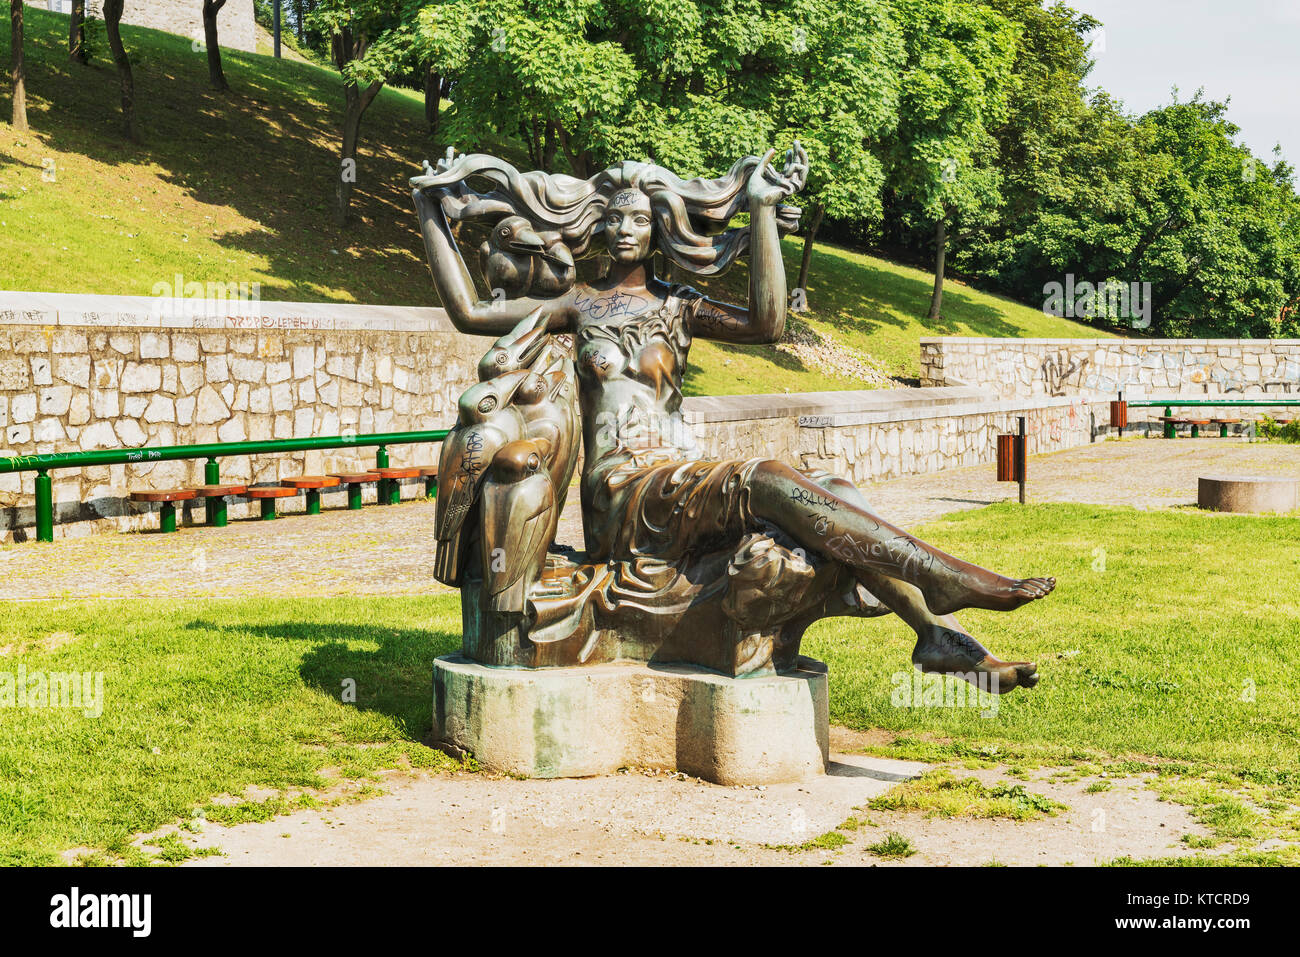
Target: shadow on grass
(395,680)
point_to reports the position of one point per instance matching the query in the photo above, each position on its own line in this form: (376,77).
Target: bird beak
(559,254)
(527,241)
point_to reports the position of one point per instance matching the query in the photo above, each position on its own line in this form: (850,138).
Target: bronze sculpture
(721,564)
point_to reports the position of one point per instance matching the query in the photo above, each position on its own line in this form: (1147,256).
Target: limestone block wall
(235,23)
(1100,368)
(79,373)
(875,436)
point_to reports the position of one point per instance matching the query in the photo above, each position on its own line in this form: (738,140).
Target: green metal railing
(1171,404)
(42,465)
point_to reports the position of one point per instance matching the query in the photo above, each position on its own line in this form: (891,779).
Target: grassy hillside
(239,188)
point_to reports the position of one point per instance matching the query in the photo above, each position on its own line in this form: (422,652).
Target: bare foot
(969,586)
(943,650)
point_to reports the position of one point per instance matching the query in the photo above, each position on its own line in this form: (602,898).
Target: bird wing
(466,455)
(518,518)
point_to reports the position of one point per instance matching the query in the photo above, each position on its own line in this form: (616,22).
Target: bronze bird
(487,422)
(549,404)
(518,261)
(520,348)
(519,522)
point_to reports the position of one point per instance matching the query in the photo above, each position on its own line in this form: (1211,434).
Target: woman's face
(629,226)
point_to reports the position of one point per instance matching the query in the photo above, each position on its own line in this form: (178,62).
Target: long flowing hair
(692,216)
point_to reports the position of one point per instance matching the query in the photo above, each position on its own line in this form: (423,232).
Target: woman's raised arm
(468,313)
(764,320)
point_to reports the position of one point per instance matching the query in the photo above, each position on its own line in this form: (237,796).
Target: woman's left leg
(841,530)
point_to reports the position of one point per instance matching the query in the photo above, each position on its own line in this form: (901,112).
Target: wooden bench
(214,505)
(430,475)
(312,484)
(1223,425)
(168,498)
(390,492)
(354,481)
(267,495)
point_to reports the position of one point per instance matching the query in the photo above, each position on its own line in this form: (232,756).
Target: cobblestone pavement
(384,550)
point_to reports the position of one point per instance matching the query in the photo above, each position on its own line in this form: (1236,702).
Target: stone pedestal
(1248,493)
(581,721)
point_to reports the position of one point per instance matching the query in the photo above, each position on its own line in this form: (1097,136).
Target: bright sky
(1248,50)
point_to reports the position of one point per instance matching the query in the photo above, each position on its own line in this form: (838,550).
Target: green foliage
(1168,198)
(894,845)
(940,794)
(1268,428)
(954,90)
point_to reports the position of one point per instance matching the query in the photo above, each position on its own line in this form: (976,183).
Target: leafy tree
(368,39)
(838,93)
(954,89)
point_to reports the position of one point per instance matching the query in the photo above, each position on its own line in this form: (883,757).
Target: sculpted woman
(717,563)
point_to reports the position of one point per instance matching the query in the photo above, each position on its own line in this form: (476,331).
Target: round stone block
(583,721)
(1248,493)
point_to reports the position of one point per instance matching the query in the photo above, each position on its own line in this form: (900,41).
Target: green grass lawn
(1179,657)
(239,188)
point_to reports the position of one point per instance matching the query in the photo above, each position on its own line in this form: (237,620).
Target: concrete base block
(576,722)
(1248,493)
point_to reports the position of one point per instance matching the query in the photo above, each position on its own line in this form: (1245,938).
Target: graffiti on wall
(1056,372)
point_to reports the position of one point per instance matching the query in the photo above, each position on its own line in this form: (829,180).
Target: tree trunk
(549,145)
(77,32)
(940,253)
(216,76)
(809,237)
(17,72)
(357,101)
(297,19)
(113,27)
(348,157)
(432,99)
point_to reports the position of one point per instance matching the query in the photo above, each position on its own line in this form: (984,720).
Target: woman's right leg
(819,519)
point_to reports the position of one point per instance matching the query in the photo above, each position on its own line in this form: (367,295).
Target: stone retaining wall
(878,435)
(79,373)
(1101,368)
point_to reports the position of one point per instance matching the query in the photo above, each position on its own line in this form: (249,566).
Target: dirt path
(660,819)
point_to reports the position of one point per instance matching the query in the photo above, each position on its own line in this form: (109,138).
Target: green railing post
(216,509)
(1170,431)
(44,506)
(211,472)
(381,462)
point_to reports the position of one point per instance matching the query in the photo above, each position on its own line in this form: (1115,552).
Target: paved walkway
(386,550)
